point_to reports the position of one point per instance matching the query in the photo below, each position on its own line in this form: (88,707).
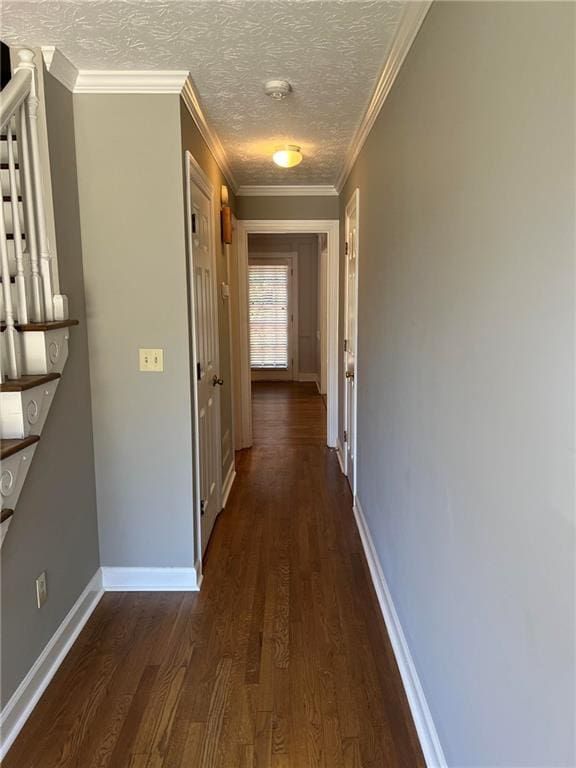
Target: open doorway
(284,307)
(287,315)
(284,330)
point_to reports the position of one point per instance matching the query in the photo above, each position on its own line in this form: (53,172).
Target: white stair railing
(31,157)
(31,344)
(25,257)
(29,219)
(10,332)
(17,230)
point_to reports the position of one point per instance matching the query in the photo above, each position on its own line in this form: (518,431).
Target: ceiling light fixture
(288,156)
(277,89)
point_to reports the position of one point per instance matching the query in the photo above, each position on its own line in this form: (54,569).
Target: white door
(209,472)
(351,337)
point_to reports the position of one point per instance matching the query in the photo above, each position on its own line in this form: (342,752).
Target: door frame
(322,256)
(243,391)
(353,202)
(292,258)
(194,174)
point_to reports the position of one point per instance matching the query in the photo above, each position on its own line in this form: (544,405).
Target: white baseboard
(26,696)
(149,579)
(429,741)
(228,483)
(340,454)
(307,377)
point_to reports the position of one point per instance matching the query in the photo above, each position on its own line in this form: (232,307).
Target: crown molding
(59,66)
(304,190)
(414,15)
(192,103)
(130,81)
(139,81)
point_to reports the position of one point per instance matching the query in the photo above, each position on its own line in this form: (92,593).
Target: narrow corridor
(282,660)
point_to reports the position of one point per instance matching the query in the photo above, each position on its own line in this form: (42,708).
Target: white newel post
(26,61)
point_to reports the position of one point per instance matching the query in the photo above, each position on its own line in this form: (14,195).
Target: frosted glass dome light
(288,157)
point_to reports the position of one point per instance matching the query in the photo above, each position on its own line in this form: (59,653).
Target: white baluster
(37,309)
(26,61)
(10,334)
(17,231)
(45,259)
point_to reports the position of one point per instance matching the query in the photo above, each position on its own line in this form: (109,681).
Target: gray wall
(466,373)
(131,200)
(306,246)
(193,142)
(55,526)
(314,207)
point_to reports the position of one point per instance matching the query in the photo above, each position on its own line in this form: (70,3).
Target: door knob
(216,380)
(349,374)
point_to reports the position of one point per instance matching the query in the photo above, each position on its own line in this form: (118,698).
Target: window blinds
(268,290)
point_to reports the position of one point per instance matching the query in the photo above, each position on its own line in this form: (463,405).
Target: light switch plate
(151,360)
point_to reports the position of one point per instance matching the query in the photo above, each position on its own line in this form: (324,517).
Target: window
(269,318)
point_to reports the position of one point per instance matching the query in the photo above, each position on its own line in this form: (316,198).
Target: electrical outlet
(152,360)
(41,590)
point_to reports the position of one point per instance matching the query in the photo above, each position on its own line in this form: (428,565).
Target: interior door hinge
(202,506)
(345,345)
(346,248)
(345,436)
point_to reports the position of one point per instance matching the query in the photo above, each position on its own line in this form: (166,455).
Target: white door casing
(291,260)
(322,314)
(205,364)
(351,337)
(231,259)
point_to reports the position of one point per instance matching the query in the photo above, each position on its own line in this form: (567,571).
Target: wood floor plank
(281,661)
(210,745)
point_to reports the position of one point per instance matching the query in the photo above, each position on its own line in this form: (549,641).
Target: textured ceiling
(331,51)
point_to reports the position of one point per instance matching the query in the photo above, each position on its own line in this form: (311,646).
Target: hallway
(281,660)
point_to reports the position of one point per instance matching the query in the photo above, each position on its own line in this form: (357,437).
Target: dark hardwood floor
(281,661)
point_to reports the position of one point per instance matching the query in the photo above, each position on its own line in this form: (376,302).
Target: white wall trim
(139,81)
(228,483)
(28,693)
(429,741)
(59,66)
(130,81)
(192,102)
(117,579)
(414,15)
(331,228)
(304,190)
(340,455)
